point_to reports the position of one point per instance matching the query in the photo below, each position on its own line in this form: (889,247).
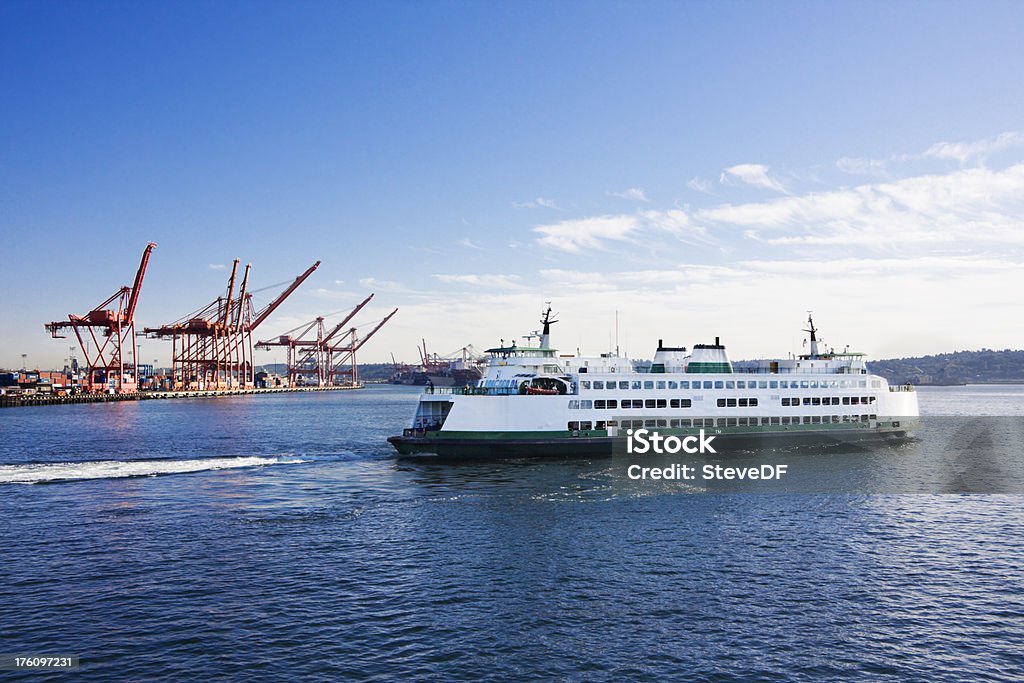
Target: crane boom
(374,330)
(265,313)
(337,328)
(129,313)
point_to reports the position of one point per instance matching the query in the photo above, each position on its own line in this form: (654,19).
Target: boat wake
(112,469)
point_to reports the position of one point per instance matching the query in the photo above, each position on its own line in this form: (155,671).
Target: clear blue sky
(705,168)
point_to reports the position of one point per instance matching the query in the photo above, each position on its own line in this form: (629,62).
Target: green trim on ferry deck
(665,431)
(718,368)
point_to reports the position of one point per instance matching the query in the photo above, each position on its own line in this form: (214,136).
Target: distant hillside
(368,372)
(962,367)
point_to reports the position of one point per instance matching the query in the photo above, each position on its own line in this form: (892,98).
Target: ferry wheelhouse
(532,401)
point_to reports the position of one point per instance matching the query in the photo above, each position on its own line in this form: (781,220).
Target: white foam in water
(107,469)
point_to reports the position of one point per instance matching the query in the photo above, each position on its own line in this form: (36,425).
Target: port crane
(110,360)
(310,347)
(212,347)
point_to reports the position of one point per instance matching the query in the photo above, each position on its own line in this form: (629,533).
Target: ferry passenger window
(730,422)
(650,423)
(598,384)
(599,405)
(742,422)
(816,420)
(855,400)
(661,385)
(648,384)
(574,426)
(807,420)
(835,419)
(610,386)
(762,384)
(574,405)
(613,423)
(807,401)
(730,402)
(707,385)
(586,405)
(685,403)
(673,423)
(599,424)
(709,422)
(774,384)
(636,386)
(743,403)
(730,385)
(624,385)
(686,385)
(815,401)
(783,420)
(673,384)
(662,403)
(721,422)
(584,426)
(719,384)
(753,403)
(846,400)
(612,404)
(740,384)
(650,403)
(803,384)
(662,423)
(585,384)
(685,422)
(785,402)
(775,420)
(835,400)
(721,403)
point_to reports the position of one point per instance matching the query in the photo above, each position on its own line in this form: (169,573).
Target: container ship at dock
(533,402)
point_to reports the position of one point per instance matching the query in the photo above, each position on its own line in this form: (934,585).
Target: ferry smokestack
(717,343)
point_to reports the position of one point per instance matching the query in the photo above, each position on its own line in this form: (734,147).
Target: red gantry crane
(212,347)
(111,329)
(320,361)
(343,352)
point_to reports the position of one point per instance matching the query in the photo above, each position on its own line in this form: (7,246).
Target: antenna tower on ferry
(547,322)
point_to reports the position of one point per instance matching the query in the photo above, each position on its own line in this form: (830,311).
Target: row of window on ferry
(683,423)
(750,402)
(641,385)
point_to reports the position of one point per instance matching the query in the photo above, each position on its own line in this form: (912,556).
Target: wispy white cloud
(755,175)
(385,285)
(636,194)
(699,185)
(217,266)
(856,166)
(976,151)
(505,281)
(599,232)
(469,244)
(539,202)
(586,233)
(970,206)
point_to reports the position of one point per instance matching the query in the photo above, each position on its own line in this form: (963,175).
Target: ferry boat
(535,402)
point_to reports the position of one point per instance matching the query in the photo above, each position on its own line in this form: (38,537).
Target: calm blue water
(284,541)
